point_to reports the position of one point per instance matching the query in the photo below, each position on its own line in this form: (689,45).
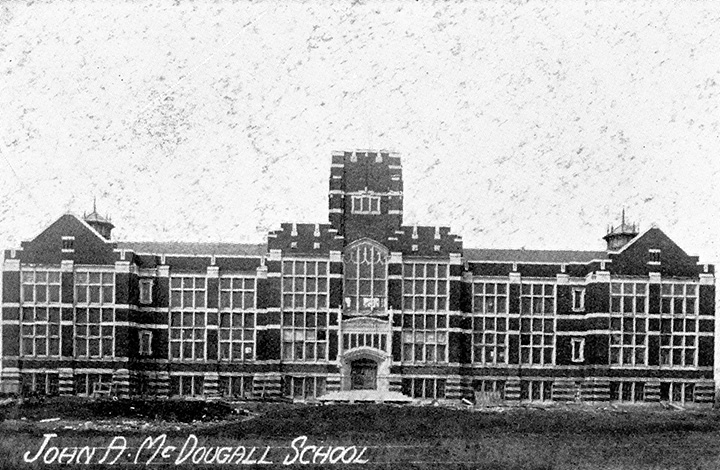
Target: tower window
(366,204)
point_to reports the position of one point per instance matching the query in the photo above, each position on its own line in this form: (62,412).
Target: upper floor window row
(41,286)
(366,204)
(490,297)
(425,286)
(537,299)
(237,293)
(188,292)
(679,299)
(94,287)
(628,297)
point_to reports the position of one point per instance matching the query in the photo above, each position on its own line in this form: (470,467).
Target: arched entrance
(363,374)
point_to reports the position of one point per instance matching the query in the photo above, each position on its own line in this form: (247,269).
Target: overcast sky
(520,124)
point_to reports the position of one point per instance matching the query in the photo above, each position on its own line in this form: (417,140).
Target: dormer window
(146,291)
(68,244)
(654,257)
(366,204)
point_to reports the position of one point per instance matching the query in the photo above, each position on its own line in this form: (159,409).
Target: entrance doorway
(363,374)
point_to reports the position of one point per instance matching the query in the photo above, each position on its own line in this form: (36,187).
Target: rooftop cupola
(618,237)
(101,224)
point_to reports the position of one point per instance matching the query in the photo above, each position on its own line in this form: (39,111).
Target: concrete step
(374,396)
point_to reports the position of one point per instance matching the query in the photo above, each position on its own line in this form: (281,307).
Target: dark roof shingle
(188,248)
(533,256)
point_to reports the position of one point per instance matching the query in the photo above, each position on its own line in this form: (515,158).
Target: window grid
(490,298)
(425,337)
(679,299)
(537,299)
(537,340)
(678,341)
(40,286)
(304,388)
(237,336)
(92,287)
(237,293)
(425,287)
(535,390)
(489,390)
(678,392)
(370,340)
(416,387)
(629,392)
(187,385)
(187,335)
(365,278)
(305,285)
(304,336)
(40,331)
(628,340)
(235,386)
(490,339)
(628,297)
(85,383)
(94,332)
(187,292)
(40,383)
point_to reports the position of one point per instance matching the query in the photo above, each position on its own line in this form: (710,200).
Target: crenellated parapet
(306,239)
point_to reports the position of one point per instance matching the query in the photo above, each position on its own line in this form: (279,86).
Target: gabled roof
(189,248)
(533,256)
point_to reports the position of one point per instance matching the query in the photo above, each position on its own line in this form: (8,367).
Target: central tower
(366,194)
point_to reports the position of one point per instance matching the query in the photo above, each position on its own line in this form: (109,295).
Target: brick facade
(361,302)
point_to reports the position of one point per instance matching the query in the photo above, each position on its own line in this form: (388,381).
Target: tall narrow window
(578,299)
(578,349)
(365,277)
(145,343)
(146,286)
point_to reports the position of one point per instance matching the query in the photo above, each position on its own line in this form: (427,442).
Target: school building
(361,306)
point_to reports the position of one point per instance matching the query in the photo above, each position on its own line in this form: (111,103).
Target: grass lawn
(395,437)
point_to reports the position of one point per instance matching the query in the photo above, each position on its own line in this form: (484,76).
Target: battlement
(305,239)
